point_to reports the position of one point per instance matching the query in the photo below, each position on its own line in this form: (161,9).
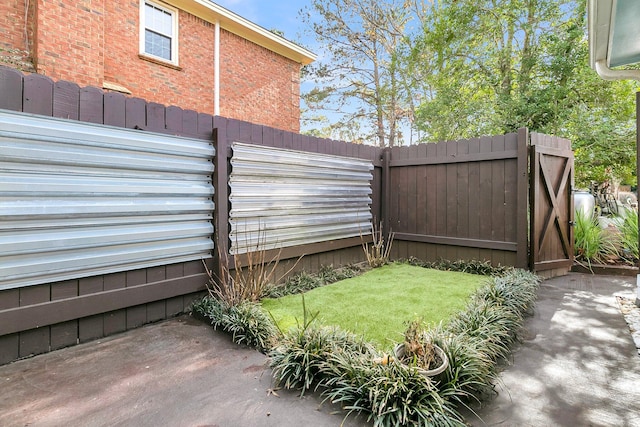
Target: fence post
(386,190)
(522,225)
(221,196)
(638,184)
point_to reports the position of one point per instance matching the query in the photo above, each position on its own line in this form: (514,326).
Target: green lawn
(377,303)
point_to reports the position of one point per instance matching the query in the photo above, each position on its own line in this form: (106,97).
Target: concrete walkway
(577,367)
(176,373)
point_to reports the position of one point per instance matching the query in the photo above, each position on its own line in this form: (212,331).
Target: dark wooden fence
(452,200)
(460,199)
(40,318)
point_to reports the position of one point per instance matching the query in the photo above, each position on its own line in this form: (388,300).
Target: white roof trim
(236,24)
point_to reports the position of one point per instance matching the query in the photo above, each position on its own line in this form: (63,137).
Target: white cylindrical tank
(585,202)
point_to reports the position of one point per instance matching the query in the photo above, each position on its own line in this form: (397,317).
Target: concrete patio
(577,366)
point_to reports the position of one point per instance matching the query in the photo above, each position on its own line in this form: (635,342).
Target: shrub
(246,322)
(517,289)
(492,325)
(629,235)
(471,373)
(301,359)
(592,244)
(377,252)
(390,395)
(483,268)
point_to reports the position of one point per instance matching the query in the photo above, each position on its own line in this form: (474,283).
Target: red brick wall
(16,34)
(189,87)
(91,42)
(258,85)
(70,40)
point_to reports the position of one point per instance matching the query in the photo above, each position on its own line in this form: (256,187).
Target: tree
(473,68)
(498,65)
(359,78)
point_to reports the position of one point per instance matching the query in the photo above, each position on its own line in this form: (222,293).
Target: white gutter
(607,73)
(216,70)
(600,16)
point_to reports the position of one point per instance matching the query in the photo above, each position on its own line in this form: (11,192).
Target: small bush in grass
(328,274)
(246,322)
(517,289)
(491,325)
(471,372)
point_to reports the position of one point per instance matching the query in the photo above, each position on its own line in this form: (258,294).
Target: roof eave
(599,27)
(211,12)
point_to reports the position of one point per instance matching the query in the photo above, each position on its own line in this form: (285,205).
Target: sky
(282,15)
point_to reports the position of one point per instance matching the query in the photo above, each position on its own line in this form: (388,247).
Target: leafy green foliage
(477,337)
(300,360)
(454,69)
(471,373)
(390,395)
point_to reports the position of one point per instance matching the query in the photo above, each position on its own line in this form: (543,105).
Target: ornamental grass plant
(629,236)
(592,244)
(349,370)
(247,322)
(390,393)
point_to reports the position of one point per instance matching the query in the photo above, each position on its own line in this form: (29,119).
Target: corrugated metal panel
(79,199)
(285,198)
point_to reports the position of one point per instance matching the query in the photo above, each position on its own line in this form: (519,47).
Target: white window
(159,31)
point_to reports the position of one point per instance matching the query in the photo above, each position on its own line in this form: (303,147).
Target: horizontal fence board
(454,241)
(62,310)
(454,158)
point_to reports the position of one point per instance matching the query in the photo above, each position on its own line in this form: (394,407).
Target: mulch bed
(610,270)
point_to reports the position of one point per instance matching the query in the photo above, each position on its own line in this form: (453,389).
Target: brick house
(190,53)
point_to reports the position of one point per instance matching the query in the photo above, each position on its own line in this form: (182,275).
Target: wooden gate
(551,241)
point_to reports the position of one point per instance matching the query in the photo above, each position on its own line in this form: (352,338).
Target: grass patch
(378,303)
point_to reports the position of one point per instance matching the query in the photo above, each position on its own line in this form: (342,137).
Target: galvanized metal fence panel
(283,198)
(80,199)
